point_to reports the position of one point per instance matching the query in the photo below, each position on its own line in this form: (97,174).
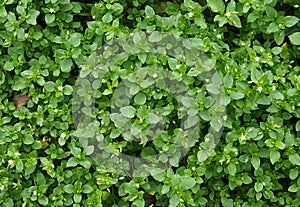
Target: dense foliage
(254,45)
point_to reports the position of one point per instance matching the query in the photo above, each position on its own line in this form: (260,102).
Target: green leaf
(86,163)
(279,37)
(118,119)
(20,9)
(153,118)
(140,98)
(255,161)
(295,38)
(298,126)
(293,173)
(216,123)
(273,27)
(43,201)
(27,74)
(216,79)
(140,202)
(290,21)
(2,77)
(61,141)
(227,202)
(87,189)
(276,50)
(174,201)
(212,88)
(155,36)
(66,65)
(3,12)
(68,188)
(165,189)
(49,86)
(77,198)
(237,95)
(128,111)
(134,89)
(28,139)
(221,19)
(149,11)
(49,18)
(29,169)
(216,5)
(158,174)
(271,12)
(274,156)
(247,179)
(235,20)
(258,186)
(294,159)
(191,121)
(202,155)
(32,16)
(75,39)
(187,182)
(142,57)
(232,169)
(8,66)
(293,188)
(107,18)
(292,92)
(72,162)
(68,90)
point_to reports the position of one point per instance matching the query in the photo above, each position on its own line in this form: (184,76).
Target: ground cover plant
(47,46)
